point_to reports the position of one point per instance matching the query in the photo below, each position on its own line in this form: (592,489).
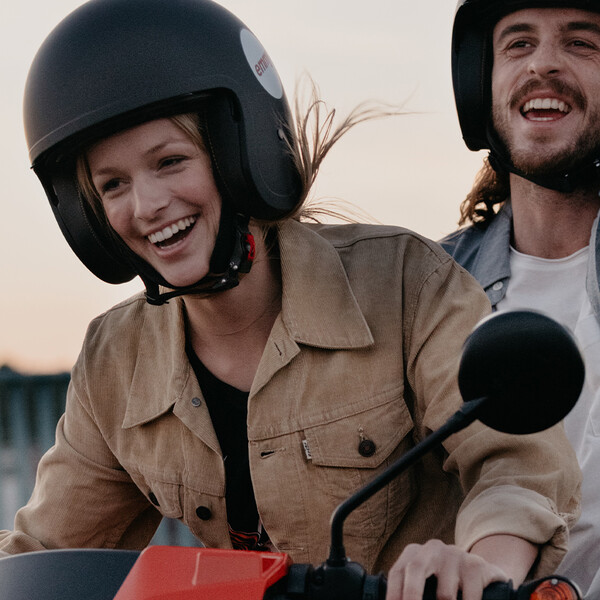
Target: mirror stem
(458,421)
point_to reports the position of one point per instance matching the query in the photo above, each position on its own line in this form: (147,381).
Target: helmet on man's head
(472,60)
(112,64)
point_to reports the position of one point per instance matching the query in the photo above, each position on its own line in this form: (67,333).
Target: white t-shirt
(553,286)
(557,287)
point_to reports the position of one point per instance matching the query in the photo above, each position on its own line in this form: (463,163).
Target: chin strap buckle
(243,255)
(248,252)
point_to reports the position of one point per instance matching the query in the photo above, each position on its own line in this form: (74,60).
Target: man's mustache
(557,86)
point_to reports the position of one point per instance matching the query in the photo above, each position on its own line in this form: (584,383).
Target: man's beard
(544,161)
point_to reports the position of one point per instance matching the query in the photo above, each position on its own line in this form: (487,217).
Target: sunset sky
(412,170)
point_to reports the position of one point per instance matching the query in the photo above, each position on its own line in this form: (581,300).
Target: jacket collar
(162,375)
(318,305)
(493,258)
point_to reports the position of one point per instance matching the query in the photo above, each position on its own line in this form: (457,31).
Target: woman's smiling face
(158,192)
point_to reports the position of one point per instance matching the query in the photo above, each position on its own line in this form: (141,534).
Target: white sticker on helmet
(260,63)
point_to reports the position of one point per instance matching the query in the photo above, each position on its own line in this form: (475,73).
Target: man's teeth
(545,104)
(170,230)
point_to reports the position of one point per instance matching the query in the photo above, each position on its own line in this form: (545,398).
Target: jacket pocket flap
(361,440)
(164,495)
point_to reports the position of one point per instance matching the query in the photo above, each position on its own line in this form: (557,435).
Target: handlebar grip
(499,590)
(348,582)
(375,587)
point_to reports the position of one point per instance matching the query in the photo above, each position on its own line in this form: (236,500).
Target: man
(527,87)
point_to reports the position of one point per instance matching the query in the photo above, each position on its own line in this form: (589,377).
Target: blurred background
(411,170)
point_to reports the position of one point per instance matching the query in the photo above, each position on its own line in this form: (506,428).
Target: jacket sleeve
(82,497)
(527,486)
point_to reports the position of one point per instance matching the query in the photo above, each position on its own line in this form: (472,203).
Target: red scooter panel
(175,573)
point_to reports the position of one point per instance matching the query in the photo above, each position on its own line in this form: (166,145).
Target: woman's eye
(171,161)
(109,186)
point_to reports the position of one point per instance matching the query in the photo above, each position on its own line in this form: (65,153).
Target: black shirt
(228,408)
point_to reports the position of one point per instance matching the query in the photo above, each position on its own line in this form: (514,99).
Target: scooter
(510,361)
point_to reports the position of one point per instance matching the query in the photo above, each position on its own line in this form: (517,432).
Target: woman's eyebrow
(161,145)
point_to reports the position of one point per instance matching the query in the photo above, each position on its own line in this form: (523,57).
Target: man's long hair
(490,190)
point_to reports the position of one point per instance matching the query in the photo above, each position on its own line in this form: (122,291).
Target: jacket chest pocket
(345,454)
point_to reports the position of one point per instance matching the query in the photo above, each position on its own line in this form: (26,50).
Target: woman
(271,367)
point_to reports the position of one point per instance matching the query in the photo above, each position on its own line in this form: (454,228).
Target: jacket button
(204,513)
(153,499)
(196,402)
(367,448)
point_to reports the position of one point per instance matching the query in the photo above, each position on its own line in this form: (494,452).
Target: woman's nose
(149,199)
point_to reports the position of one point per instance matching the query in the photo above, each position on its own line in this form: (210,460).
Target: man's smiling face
(546,87)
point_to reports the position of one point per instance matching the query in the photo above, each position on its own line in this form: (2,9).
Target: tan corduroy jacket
(366,348)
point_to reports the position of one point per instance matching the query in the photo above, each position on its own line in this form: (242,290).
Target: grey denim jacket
(485,253)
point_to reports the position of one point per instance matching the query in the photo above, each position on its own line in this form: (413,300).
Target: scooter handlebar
(350,582)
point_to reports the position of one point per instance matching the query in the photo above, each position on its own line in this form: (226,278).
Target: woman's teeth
(171,230)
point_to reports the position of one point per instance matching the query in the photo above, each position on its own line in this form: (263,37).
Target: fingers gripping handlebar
(305,582)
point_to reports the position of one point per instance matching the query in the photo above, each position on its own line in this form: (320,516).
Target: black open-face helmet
(113,64)
(472,60)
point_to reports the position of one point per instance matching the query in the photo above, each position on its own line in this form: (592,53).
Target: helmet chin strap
(233,254)
(584,172)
